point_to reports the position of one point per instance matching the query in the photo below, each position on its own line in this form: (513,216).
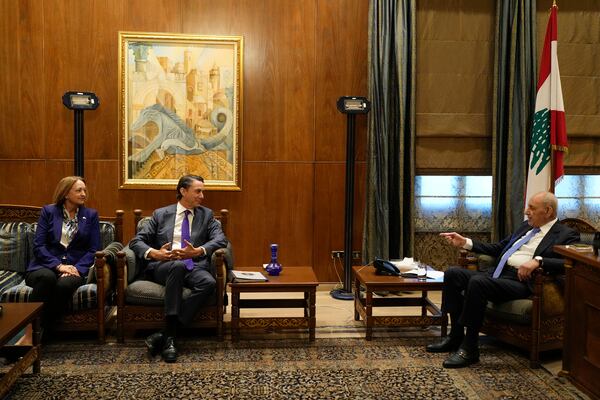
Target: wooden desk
(363,305)
(291,279)
(15,317)
(581,350)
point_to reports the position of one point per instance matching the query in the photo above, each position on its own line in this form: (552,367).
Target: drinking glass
(421,271)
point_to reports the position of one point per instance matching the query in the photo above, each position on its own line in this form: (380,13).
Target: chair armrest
(219,267)
(467,260)
(122,277)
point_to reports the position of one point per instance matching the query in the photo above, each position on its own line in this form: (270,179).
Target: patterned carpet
(386,368)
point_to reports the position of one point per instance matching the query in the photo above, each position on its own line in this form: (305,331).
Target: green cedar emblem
(540,140)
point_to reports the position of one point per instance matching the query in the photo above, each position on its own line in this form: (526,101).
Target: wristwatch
(540,260)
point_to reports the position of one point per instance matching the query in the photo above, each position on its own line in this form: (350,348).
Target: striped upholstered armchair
(17,230)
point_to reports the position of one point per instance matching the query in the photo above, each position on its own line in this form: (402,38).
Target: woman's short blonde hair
(63,188)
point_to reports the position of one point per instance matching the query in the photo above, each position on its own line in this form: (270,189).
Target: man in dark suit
(179,257)
(466,293)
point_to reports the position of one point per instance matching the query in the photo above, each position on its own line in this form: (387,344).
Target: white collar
(181,209)
(547,226)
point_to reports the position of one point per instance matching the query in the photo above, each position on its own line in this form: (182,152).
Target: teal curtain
(514,103)
(388,225)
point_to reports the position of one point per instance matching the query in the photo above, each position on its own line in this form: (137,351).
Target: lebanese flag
(549,130)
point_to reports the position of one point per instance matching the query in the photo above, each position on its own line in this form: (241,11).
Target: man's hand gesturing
(189,251)
(454,239)
(163,254)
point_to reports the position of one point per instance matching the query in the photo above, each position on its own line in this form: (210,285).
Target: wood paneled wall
(299,57)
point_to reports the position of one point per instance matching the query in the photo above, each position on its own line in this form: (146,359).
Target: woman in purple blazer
(66,239)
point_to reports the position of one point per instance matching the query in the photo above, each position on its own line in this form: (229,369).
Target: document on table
(248,276)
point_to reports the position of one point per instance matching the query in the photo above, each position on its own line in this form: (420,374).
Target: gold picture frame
(180,109)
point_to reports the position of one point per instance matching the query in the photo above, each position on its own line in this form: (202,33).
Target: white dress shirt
(527,250)
(176,242)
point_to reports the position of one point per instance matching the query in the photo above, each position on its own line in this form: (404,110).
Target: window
(579,197)
(461,203)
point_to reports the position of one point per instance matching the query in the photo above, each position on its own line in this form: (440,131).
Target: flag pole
(552,166)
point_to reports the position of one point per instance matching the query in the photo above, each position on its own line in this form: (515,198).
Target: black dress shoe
(446,344)
(155,343)
(462,358)
(169,352)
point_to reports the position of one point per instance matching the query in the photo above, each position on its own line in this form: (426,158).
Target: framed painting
(180,109)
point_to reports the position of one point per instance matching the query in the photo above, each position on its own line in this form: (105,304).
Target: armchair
(141,302)
(534,324)
(92,304)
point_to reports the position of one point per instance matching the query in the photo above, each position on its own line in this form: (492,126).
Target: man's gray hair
(550,200)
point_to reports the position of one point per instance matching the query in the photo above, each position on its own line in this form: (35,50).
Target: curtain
(514,103)
(388,225)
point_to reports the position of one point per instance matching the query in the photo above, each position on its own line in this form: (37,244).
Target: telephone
(383,267)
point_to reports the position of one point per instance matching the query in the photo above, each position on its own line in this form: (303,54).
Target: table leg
(306,304)
(312,323)
(356,298)
(424,303)
(36,342)
(235,315)
(369,312)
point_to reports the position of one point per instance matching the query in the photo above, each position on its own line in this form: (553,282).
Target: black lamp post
(79,101)
(349,106)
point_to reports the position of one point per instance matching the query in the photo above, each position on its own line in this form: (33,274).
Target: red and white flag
(549,133)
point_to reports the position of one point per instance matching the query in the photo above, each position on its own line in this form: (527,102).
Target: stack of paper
(248,276)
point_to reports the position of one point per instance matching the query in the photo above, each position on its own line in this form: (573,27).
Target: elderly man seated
(466,293)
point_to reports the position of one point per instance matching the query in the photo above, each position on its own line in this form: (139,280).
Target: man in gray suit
(179,257)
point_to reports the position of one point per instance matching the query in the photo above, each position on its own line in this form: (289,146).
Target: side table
(15,317)
(363,304)
(291,279)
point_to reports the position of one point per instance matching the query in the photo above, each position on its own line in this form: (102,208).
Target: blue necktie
(185,235)
(511,251)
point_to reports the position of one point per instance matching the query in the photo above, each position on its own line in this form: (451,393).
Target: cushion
(228,257)
(553,304)
(517,311)
(485,262)
(110,252)
(10,279)
(16,294)
(85,297)
(14,246)
(148,293)
(142,222)
(107,233)
(131,265)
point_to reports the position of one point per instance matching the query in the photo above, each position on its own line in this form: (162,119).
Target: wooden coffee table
(364,303)
(15,317)
(291,279)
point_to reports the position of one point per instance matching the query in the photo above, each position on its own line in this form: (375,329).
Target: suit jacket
(553,263)
(205,231)
(49,252)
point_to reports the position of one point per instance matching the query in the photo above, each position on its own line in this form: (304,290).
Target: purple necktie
(185,235)
(512,249)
